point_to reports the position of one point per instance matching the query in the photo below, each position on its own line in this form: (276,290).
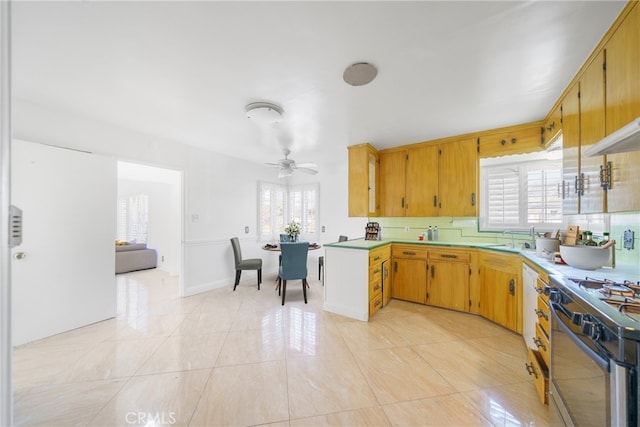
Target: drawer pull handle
(376,258)
(451,256)
(377,303)
(376,271)
(542,314)
(531,369)
(408,253)
(539,343)
(376,287)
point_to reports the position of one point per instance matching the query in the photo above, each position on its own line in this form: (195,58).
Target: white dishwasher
(529,305)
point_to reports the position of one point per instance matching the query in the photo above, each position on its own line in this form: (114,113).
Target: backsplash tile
(458,230)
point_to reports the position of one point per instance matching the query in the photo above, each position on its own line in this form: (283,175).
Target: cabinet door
(392,183)
(410,279)
(592,130)
(571,151)
(623,105)
(458,178)
(552,125)
(362,180)
(448,285)
(422,181)
(498,296)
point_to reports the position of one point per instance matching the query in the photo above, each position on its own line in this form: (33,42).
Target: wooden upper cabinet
(512,140)
(552,125)
(422,181)
(363,180)
(592,129)
(393,182)
(571,151)
(623,105)
(458,187)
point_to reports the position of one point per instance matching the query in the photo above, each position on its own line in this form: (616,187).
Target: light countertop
(619,273)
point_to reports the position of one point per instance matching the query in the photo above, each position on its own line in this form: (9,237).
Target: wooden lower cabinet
(448,281)
(409,279)
(377,265)
(501,289)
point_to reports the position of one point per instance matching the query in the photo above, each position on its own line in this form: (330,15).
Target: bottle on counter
(429,233)
(435,233)
(605,239)
(590,241)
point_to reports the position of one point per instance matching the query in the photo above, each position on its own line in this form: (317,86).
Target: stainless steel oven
(593,364)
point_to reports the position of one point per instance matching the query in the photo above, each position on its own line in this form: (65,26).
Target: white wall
(220,193)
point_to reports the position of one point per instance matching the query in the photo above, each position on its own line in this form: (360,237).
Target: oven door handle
(593,355)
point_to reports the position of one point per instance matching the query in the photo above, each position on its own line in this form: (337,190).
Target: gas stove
(595,351)
(625,295)
(613,304)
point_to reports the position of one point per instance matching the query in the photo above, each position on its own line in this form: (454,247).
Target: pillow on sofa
(131,247)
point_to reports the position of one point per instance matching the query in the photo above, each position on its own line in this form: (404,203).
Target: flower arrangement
(293,229)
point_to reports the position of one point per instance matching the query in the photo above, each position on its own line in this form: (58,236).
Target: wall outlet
(323,229)
(162,258)
(406,228)
(627,239)
(195,218)
(246,230)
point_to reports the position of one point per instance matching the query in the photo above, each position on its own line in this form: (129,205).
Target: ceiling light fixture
(264,113)
(359,74)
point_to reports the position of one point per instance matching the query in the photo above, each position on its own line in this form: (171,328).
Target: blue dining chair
(294,266)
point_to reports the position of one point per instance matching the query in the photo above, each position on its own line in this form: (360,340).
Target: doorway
(150,211)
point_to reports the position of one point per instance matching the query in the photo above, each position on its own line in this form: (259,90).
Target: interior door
(63,274)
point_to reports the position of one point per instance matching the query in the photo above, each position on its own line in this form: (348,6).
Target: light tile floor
(241,358)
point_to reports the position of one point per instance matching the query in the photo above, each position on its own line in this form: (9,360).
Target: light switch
(246,230)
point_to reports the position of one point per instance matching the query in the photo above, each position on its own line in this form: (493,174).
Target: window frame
(524,164)
(290,212)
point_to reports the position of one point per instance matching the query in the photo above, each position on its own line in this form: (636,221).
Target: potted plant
(293,230)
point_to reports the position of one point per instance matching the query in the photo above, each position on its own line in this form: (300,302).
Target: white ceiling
(184,71)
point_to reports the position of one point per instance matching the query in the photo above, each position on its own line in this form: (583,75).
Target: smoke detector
(264,113)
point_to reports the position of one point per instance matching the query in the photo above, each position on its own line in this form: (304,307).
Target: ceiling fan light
(285,172)
(264,113)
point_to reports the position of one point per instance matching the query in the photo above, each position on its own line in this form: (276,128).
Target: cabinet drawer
(542,342)
(538,370)
(375,286)
(409,251)
(375,273)
(543,315)
(375,304)
(453,256)
(378,255)
(540,285)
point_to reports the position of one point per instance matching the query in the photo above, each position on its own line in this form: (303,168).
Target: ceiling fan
(287,166)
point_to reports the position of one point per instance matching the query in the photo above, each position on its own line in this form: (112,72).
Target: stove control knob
(577,318)
(591,329)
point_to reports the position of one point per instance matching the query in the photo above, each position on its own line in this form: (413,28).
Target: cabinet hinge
(478,144)
(439,151)
(604,66)
(469,303)
(469,271)
(578,94)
